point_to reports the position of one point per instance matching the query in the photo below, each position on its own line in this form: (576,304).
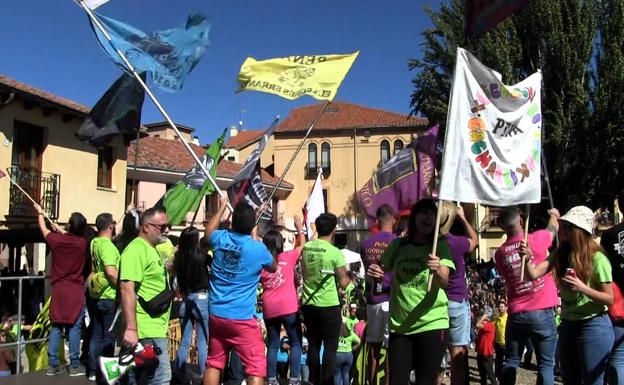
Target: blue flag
(169,55)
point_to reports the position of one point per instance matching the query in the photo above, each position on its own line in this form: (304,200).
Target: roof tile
(243,139)
(341,115)
(169,155)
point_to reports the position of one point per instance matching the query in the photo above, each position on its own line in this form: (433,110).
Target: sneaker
(80,370)
(272,381)
(53,370)
(294,381)
(92,377)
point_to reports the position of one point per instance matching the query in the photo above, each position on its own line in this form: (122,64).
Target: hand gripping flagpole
(292,159)
(164,113)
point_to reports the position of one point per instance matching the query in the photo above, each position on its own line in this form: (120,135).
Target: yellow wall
(344,179)
(65,155)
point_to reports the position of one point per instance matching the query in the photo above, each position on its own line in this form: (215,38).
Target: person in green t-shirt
(347,344)
(584,276)
(418,317)
(143,274)
(105,260)
(323,267)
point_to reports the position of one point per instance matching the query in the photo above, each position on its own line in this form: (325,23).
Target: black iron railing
(43,187)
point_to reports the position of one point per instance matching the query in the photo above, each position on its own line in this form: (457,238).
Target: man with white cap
(530,303)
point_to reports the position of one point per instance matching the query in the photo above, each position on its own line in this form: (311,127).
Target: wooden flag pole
(526,239)
(434,249)
(26,194)
(292,159)
(160,108)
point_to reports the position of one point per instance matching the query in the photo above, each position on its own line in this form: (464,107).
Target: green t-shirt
(345,344)
(141,263)
(166,250)
(576,306)
(412,308)
(319,289)
(104,253)
(351,322)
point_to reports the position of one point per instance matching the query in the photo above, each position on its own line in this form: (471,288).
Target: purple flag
(405,178)
(484,15)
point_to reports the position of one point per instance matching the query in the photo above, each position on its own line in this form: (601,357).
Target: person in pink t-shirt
(280,304)
(530,303)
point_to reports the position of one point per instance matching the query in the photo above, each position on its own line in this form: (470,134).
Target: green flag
(187,194)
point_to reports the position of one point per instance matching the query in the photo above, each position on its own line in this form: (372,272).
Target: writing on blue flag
(168,55)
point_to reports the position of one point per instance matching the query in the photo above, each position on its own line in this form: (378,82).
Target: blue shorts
(459,323)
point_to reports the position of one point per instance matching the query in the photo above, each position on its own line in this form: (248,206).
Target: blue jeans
(73,332)
(305,373)
(585,346)
(158,373)
(344,360)
(616,360)
(194,311)
(539,326)
(102,341)
(292,324)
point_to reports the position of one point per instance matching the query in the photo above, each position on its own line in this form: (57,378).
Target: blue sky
(49,44)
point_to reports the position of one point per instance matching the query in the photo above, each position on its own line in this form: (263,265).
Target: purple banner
(484,15)
(405,178)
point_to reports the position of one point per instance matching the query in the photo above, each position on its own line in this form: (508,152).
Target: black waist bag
(157,305)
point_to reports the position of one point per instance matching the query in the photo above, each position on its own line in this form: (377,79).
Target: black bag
(159,304)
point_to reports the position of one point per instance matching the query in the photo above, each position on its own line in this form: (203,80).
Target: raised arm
(472,234)
(214,222)
(41,222)
(553,222)
(300,233)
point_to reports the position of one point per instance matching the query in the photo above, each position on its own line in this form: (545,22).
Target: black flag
(118,112)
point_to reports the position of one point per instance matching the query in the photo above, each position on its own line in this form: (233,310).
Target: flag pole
(292,159)
(526,239)
(434,249)
(160,108)
(550,196)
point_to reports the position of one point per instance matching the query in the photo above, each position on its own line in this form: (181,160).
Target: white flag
(93,4)
(315,205)
(493,137)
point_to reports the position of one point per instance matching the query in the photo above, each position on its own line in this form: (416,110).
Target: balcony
(311,171)
(43,187)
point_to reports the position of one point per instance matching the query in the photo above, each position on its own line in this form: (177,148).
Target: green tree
(578,47)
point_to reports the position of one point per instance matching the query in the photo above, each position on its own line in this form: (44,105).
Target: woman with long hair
(583,273)
(190,263)
(129,229)
(418,317)
(280,303)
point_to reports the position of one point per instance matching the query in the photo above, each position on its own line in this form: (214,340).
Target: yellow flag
(291,77)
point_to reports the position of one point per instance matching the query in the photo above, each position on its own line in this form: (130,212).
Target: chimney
(233,131)
(195,140)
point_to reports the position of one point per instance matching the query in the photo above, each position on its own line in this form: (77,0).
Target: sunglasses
(162,228)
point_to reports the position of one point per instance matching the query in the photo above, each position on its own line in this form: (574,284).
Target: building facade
(39,147)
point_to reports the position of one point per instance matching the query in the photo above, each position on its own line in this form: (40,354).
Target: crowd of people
(268,312)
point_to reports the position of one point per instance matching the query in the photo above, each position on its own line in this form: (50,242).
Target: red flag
(484,15)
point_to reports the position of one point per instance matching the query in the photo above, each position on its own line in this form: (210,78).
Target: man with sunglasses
(143,275)
(101,301)
(530,302)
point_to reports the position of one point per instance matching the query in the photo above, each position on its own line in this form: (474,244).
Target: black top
(195,277)
(613,242)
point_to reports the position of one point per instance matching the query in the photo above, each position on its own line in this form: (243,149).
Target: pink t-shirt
(528,295)
(280,295)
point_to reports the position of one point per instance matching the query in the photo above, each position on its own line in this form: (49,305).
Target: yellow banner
(291,77)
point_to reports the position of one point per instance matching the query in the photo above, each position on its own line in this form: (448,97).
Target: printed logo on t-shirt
(619,247)
(409,272)
(230,265)
(513,265)
(276,279)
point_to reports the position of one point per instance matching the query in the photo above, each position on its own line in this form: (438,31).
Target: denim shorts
(459,323)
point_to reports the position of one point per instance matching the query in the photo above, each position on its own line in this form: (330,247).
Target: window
(231,158)
(398,146)
(385,151)
(325,199)
(312,160)
(105,167)
(325,158)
